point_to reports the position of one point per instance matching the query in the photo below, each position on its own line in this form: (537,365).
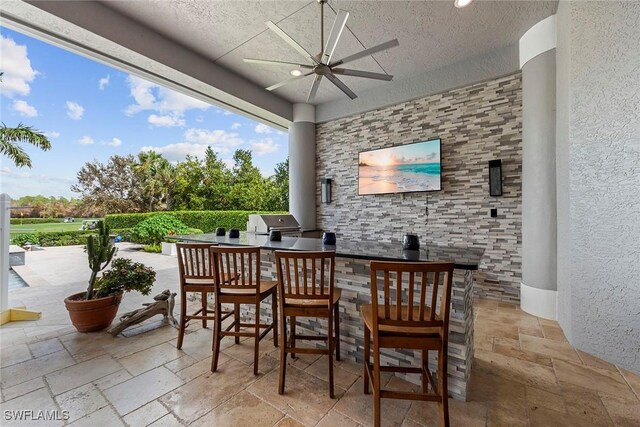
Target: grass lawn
(49,226)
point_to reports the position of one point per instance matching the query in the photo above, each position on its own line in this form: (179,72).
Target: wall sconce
(325,190)
(495,178)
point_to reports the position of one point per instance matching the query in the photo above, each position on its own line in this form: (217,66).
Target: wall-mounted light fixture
(495,178)
(325,190)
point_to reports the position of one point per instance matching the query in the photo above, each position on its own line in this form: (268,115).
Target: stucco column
(538,291)
(302,165)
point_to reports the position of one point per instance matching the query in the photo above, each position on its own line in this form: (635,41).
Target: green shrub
(207,221)
(63,238)
(21,239)
(154,229)
(18,221)
(124,276)
(152,248)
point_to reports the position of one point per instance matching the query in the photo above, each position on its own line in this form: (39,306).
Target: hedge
(57,238)
(207,221)
(18,221)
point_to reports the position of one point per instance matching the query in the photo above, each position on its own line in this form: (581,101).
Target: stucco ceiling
(431,34)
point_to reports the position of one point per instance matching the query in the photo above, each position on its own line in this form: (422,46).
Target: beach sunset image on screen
(400,169)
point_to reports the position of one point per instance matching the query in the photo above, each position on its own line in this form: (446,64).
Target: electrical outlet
(494,212)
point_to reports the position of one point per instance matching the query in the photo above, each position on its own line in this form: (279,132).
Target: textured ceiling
(431,34)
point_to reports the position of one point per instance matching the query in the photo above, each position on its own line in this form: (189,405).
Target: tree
(11,137)
(110,187)
(279,188)
(157,179)
(248,187)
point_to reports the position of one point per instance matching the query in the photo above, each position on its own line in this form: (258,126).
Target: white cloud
(227,113)
(262,128)
(170,105)
(15,64)
(218,139)
(103,82)
(166,121)
(236,125)
(196,142)
(85,140)
(177,152)
(24,109)
(115,142)
(52,134)
(5,170)
(264,146)
(74,110)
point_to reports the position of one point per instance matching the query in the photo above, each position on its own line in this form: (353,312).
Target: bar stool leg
(274,317)
(293,334)
(203,299)
(283,354)
(376,385)
(336,316)
(256,343)
(425,366)
(236,316)
(183,318)
(217,326)
(367,359)
(330,348)
(443,404)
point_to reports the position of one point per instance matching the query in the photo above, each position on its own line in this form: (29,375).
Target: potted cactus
(95,308)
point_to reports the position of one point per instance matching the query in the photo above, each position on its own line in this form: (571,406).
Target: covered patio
(525,372)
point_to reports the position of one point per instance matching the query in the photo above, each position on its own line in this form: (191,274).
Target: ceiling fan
(321,65)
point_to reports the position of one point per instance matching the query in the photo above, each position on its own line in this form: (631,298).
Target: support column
(302,166)
(5,215)
(538,291)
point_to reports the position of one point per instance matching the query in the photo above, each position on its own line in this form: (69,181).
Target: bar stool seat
(337,293)
(366,311)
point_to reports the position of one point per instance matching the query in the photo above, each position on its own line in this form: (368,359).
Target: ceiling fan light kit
(321,64)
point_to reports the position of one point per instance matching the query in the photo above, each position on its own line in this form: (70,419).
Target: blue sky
(93,111)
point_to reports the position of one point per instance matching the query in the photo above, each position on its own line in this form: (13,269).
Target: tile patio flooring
(525,373)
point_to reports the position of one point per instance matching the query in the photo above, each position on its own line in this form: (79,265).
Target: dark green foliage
(25,221)
(21,239)
(52,238)
(125,276)
(207,221)
(100,251)
(154,229)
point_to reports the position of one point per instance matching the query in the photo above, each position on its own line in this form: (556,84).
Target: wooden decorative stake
(163,304)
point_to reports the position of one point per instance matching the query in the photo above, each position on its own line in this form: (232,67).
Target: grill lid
(259,223)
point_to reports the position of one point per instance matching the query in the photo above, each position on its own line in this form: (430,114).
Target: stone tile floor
(524,373)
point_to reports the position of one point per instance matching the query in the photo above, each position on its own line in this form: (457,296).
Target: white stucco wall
(598,164)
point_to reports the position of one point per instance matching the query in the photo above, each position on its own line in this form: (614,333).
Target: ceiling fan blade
(277,63)
(358,73)
(291,42)
(314,88)
(287,81)
(367,52)
(343,87)
(334,35)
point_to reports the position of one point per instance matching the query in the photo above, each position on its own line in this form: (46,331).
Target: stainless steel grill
(263,224)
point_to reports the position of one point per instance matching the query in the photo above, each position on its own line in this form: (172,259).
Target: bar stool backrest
(194,264)
(405,295)
(240,267)
(306,275)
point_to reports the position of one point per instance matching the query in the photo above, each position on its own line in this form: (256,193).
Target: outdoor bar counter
(352,275)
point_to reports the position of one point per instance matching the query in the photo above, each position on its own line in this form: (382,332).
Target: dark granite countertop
(463,258)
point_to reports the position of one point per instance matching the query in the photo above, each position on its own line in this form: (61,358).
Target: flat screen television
(400,169)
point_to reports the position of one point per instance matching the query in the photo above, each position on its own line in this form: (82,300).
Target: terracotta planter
(92,315)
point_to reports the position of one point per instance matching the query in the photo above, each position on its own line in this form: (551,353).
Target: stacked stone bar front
(352,276)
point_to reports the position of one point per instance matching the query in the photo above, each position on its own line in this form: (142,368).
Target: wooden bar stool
(237,274)
(305,288)
(407,319)
(196,275)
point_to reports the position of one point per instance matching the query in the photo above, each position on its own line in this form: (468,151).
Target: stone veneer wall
(476,123)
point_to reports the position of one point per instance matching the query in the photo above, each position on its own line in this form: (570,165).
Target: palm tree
(10,137)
